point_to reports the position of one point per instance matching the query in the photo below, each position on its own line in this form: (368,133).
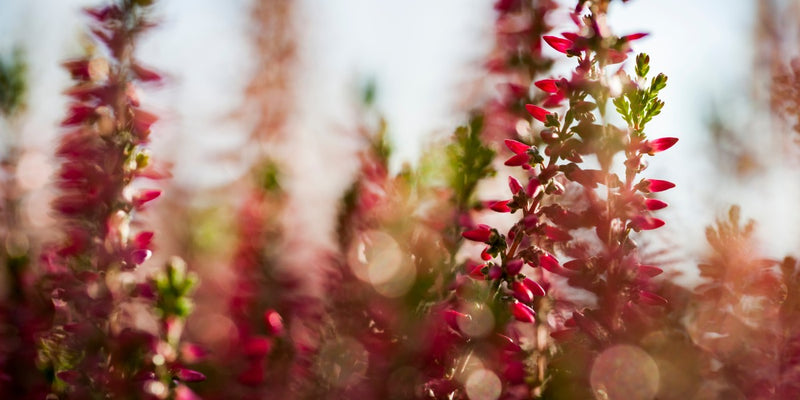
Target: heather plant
(576,223)
(113,334)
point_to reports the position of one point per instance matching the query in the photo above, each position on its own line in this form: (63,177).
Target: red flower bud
(480,234)
(549,262)
(649,270)
(517,147)
(145,196)
(640,223)
(634,36)
(514,185)
(485,256)
(517,160)
(495,272)
(521,292)
(514,266)
(500,206)
(547,85)
(657,145)
(655,204)
(534,287)
(658,185)
(522,312)
(559,44)
(537,112)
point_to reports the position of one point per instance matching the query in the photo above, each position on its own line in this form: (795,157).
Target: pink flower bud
(485,256)
(658,185)
(480,234)
(522,312)
(655,204)
(514,185)
(559,44)
(533,186)
(517,147)
(547,85)
(537,112)
(534,287)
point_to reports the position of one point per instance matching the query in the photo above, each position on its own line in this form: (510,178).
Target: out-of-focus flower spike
(537,112)
(78,114)
(451,317)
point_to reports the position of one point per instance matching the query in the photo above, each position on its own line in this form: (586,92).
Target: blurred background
(426,61)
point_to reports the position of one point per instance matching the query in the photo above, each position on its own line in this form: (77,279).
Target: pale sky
(421,53)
